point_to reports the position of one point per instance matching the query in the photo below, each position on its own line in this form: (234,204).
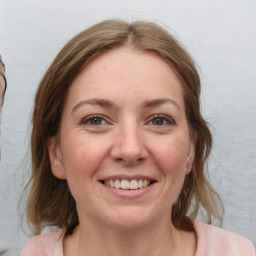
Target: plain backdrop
(220,35)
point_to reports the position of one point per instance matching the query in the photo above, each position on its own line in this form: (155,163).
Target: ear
(55,158)
(191,155)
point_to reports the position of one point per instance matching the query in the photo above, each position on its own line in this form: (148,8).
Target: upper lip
(128,177)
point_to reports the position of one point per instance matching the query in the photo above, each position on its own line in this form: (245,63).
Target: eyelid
(85,120)
(167,118)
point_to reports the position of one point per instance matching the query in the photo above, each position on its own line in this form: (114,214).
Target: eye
(158,121)
(161,120)
(94,120)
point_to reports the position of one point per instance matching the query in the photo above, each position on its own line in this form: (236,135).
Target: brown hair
(50,202)
(2,73)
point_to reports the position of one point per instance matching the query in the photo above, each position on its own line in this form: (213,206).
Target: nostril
(119,159)
(129,161)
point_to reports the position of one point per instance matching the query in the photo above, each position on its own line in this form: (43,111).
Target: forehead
(127,71)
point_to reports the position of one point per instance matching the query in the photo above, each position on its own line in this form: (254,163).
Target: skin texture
(124,116)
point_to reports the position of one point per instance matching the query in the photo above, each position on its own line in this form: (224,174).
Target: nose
(129,145)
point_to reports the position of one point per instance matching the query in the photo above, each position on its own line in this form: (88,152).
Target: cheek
(82,157)
(172,155)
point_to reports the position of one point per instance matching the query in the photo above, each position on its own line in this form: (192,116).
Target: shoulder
(214,241)
(44,245)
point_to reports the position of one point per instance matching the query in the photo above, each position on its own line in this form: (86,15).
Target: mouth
(124,184)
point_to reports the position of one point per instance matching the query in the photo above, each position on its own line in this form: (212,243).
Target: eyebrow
(95,102)
(159,102)
(109,104)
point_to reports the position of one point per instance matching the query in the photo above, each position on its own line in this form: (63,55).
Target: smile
(128,185)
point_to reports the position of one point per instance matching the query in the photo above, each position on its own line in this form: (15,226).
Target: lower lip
(129,193)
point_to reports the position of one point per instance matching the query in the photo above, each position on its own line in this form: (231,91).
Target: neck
(160,238)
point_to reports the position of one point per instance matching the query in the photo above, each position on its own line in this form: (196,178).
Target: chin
(130,219)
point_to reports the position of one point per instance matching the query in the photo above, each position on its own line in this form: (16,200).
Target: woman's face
(124,145)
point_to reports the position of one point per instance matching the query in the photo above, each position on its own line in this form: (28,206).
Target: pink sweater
(211,241)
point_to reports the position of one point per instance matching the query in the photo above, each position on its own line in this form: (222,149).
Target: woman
(118,150)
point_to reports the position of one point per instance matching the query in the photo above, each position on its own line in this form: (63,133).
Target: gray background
(220,35)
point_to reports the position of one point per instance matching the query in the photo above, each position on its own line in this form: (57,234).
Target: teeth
(140,183)
(117,184)
(111,183)
(126,184)
(133,184)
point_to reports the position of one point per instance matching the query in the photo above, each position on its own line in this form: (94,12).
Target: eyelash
(164,118)
(86,121)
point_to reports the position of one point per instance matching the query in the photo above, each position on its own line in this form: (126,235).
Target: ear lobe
(55,158)
(189,164)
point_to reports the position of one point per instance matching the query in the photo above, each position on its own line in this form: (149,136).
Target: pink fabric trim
(44,245)
(211,241)
(214,241)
